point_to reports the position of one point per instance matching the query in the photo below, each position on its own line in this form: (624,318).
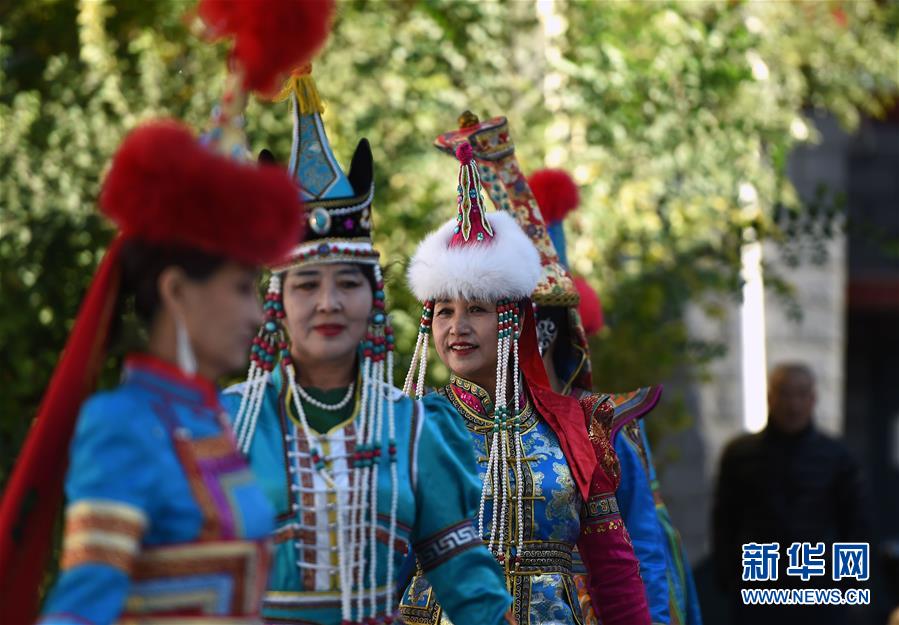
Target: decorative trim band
(330,251)
(449,542)
(102,532)
(601,508)
(544,560)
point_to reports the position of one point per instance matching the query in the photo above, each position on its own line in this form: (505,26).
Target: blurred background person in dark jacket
(788,483)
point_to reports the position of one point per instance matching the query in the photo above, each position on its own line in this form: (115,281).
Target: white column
(752,339)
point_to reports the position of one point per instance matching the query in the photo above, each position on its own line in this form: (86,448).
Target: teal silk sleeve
(230,400)
(468,582)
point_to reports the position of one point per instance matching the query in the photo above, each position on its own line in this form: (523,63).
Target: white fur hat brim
(505,267)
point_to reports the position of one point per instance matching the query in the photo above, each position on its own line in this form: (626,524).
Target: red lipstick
(329,329)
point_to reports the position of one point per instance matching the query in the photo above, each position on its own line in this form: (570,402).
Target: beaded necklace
(312,401)
(356,497)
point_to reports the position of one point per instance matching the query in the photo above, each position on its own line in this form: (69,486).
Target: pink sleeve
(614,583)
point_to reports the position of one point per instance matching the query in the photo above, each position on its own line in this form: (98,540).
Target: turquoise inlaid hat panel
(312,162)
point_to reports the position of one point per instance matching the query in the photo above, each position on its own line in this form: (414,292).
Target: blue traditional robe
(165,522)
(684,599)
(438,496)
(555,519)
(635,499)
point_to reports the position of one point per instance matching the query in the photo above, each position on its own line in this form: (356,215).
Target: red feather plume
(589,309)
(556,193)
(271,37)
(164,187)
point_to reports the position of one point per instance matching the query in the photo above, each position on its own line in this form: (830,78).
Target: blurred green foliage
(676,117)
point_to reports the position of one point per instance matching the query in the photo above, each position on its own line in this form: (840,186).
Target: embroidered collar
(474,404)
(473,396)
(168,378)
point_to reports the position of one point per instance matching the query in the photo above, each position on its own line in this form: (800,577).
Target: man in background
(788,483)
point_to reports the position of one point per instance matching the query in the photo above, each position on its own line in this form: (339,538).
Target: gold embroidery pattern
(602,528)
(481,421)
(601,412)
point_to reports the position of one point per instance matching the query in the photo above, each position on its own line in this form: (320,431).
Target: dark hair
(143,263)
(369,272)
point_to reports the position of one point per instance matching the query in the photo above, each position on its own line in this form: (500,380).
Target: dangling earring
(184,354)
(546,334)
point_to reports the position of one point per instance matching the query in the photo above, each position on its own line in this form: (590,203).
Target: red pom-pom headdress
(271,37)
(556,193)
(589,309)
(164,187)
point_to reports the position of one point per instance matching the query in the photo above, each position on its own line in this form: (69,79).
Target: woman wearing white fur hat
(543,489)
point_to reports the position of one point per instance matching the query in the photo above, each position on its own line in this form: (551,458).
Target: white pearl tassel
(505,444)
(375,443)
(251,402)
(420,389)
(394,480)
(410,374)
(255,407)
(240,418)
(358,490)
(519,451)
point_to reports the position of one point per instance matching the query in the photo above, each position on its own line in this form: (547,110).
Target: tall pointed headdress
(494,153)
(337,212)
(476,256)
(338,206)
(558,196)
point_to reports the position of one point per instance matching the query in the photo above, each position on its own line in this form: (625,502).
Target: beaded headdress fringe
(356,534)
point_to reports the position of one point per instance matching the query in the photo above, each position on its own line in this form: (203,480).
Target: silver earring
(546,334)
(187,361)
